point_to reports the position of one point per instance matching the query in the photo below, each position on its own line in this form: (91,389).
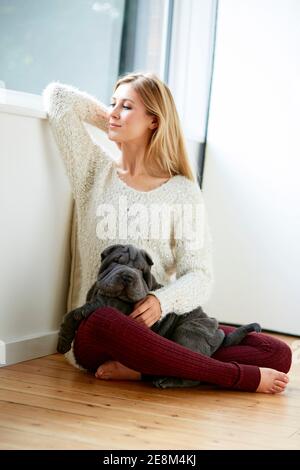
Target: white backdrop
(251,178)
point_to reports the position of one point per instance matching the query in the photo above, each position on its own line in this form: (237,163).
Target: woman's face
(128,113)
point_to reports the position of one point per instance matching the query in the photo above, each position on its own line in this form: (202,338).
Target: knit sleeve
(193,258)
(67,108)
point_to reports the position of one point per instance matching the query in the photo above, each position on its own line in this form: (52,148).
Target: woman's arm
(193,258)
(67,108)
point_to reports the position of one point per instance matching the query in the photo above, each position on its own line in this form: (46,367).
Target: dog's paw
(63,345)
(255,327)
(173,382)
(78,314)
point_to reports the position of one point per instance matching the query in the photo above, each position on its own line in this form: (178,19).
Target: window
(90,43)
(86,43)
(146,36)
(191,69)
(72,41)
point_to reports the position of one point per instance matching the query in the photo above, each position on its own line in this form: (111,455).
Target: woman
(152,172)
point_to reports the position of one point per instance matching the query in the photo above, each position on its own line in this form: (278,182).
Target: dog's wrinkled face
(125,273)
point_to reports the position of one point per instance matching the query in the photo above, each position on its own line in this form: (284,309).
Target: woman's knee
(280,352)
(104,320)
(285,357)
(93,337)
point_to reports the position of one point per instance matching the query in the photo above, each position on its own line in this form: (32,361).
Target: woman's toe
(101,373)
(280,383)
(282,377)
(276,389)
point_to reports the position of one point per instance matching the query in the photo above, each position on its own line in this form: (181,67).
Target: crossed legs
(124,350)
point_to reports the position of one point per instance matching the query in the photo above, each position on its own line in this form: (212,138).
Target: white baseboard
(26,348)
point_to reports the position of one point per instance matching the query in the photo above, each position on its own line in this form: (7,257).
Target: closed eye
(125,107)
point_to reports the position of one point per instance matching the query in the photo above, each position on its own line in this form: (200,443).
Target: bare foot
(113,370)
(272,381)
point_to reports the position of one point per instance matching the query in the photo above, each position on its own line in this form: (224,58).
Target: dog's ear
(147,257)
(109,249)
(149,278)
(151,281)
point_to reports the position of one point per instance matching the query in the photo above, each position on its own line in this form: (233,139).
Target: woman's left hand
(147,311)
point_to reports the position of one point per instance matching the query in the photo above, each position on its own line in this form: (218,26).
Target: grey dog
(125,278)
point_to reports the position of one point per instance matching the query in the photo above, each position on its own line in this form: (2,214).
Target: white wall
(35,211)
(35,220)
(251,178)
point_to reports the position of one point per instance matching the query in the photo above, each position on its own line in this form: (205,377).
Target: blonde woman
(153,171)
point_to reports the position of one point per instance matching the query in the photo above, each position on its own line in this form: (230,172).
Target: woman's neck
(132,163)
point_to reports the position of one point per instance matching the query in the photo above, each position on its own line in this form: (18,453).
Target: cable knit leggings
(107,334)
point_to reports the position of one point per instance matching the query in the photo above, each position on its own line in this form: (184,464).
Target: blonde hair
(166,151)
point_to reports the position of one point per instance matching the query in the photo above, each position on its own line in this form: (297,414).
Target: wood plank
(133,421)
(28,419)
(157,406)
(13,439)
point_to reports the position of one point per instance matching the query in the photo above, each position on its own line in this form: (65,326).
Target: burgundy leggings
(107,334)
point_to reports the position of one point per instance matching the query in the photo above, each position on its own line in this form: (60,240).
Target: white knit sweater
(108,211)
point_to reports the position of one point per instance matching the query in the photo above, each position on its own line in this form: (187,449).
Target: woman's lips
(113,125)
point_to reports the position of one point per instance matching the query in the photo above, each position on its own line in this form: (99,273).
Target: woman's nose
(114,112)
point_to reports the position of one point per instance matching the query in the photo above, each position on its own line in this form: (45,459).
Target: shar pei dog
(125,278)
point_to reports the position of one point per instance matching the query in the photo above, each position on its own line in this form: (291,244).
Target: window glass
(72,41)
(146,36)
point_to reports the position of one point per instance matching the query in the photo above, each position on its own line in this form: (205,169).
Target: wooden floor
(47,404)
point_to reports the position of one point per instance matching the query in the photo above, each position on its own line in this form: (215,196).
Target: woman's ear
(154,123)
